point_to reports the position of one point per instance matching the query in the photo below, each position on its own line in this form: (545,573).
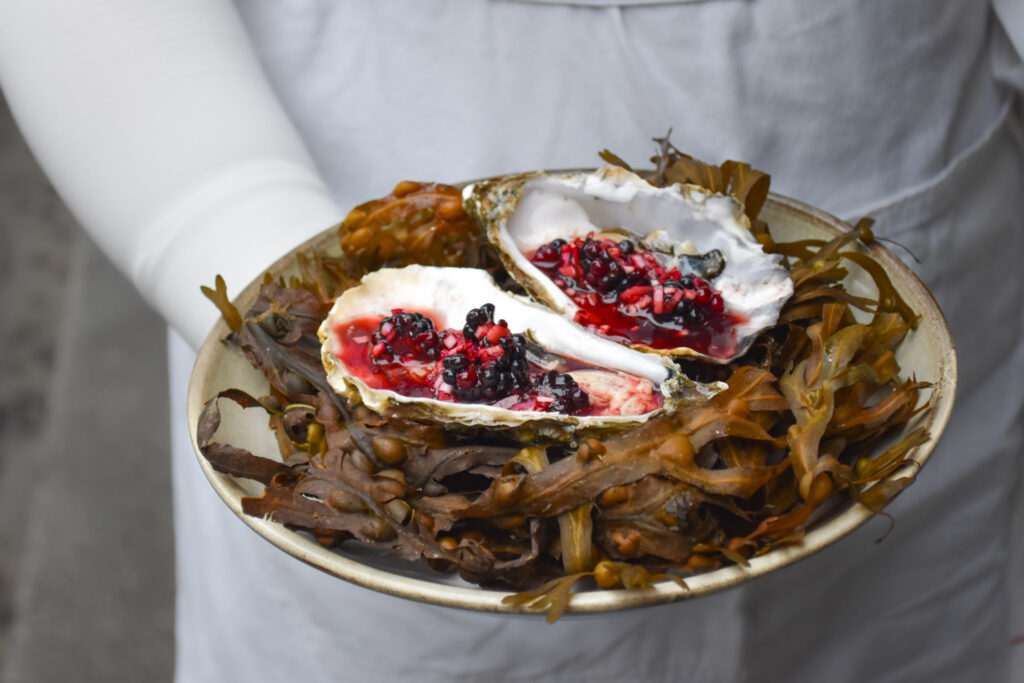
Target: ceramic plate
(927,353)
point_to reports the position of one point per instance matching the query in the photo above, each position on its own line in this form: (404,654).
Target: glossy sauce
(411,378)
(715,337)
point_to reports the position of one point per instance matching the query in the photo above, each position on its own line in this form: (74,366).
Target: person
(195,138)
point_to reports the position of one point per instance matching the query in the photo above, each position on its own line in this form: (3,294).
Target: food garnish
(561,237)
(484,362)
(623,292)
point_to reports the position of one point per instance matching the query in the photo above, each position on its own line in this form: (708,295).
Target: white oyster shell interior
(522,213)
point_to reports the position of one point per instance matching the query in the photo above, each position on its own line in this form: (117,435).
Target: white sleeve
(155,124)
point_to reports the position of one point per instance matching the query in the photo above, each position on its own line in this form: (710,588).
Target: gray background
(86,547)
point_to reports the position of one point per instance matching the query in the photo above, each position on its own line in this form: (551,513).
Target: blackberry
(405,336)
(453,365)
(674,283)
(476,318)
(495,384)
(629,280)
(689,314)
(574,402)
(455,362)
(513,344)
(569,397)
(608,283)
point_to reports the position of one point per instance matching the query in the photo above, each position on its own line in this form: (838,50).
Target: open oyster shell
(447,294)
(521,213)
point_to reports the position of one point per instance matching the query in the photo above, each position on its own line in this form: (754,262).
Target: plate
(927,353)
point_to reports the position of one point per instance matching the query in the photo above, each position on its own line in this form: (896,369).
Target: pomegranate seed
(634,293)
(659,300)
(702,297)
(717,305)
(497,332)
(466,379)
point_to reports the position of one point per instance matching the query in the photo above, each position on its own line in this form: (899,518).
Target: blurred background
(86,548)
(86,544)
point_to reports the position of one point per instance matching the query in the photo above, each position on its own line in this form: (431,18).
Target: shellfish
(672,270)
(390,343)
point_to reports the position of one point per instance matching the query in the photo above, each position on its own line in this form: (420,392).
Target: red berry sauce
(625,294)
(482,363)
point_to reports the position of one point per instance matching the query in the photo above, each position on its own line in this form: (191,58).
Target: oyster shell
(522,213)
(445,295)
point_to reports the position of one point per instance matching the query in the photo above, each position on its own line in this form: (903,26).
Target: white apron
(887,109)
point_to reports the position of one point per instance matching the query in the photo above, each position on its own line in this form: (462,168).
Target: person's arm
(155,124)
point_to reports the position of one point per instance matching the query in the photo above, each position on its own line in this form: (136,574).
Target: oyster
(627,387)
(675,236)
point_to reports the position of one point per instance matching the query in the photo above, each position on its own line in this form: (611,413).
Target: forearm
(156,126)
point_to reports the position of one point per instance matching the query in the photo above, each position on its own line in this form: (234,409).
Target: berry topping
(483,363)
(404,336)
(622,291)
(569,396)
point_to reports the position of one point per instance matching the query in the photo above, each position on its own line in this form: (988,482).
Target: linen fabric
(904,111)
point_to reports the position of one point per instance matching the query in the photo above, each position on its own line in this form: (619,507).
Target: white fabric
(903,110)
(154,122)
